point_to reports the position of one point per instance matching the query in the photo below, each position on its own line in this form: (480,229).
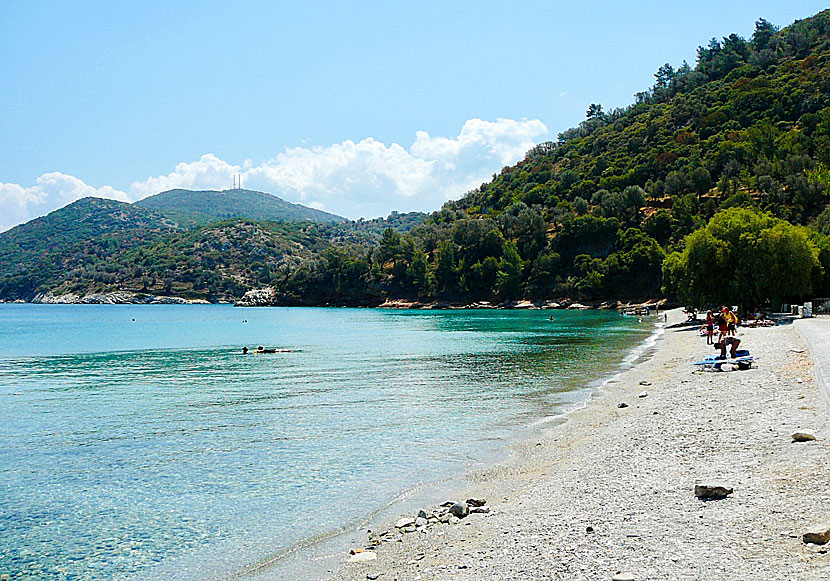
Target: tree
(664,76)
(509,279)
(701,180)
(594,111)
(764,32)
(742,256)
(580,206)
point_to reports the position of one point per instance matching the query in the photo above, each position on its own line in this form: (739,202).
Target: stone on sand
(712,489)
(803,436)
(818,534)
(459,509)
(363,557)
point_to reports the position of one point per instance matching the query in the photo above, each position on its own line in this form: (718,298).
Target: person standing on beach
(731,322)
(710,327)
(723,324)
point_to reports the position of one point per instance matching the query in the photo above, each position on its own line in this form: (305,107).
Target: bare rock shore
(112,298)
(611,493)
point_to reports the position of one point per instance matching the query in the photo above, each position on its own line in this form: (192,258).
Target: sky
(357,108)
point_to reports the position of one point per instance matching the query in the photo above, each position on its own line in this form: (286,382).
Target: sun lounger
(742,360)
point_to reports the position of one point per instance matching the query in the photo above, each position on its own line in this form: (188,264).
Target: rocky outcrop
(257,297)
(112,298)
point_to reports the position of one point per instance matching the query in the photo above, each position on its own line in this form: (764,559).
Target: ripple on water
(158,451)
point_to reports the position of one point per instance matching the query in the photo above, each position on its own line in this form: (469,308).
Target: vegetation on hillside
(96,245)
(594,214)
(72,239)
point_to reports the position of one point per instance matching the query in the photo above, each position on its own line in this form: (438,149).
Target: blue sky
(355,107)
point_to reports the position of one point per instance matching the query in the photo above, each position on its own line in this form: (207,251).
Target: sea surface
(136,441)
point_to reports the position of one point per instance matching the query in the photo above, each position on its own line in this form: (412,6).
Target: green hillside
(190,208)
(593,215)
(218,261)
(72,240)
(714,182)
(96,245)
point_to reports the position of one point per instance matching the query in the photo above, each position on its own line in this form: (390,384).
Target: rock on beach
(802,436)
(818,534)
(712,490)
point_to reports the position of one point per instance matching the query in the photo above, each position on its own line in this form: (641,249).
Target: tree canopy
(743,256)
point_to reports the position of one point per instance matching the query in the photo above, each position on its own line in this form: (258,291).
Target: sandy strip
(610,491)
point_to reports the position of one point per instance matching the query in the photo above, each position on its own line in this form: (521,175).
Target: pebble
(622,404)
(818,534)
(420,521)
(404,522)
(363,557)
(712,490)
(643,394)
(803,437)
(623,577)
(476,502)
(459,509)
(372,576)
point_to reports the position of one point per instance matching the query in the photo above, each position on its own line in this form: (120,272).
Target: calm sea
(136,440)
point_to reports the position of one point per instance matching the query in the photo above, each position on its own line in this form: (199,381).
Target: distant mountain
(70,239)
(189,208)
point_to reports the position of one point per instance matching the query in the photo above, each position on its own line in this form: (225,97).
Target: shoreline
(606,491)
(265,298)
(322,557)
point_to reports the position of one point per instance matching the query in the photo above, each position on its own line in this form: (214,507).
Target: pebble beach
(611,492)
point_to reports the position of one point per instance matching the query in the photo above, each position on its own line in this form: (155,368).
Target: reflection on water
(132,446)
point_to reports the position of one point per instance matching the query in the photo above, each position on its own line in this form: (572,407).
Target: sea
(138,441)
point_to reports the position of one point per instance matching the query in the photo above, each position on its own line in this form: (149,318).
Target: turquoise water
(138,439)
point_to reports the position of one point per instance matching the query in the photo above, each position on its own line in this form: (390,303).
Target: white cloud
(51,191)
(366,178)
(208,173)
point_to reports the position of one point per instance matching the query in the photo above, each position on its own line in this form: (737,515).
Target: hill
(71,240)
(217,261)
(190,208)
(98,246)
(593,215)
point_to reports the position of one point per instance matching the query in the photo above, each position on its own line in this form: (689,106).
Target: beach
(610,493)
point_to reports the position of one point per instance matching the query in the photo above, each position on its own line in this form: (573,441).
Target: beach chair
(742,360)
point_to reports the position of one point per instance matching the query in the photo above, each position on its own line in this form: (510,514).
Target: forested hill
(70,239)
(96,246)
(189,207)
(593,215)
